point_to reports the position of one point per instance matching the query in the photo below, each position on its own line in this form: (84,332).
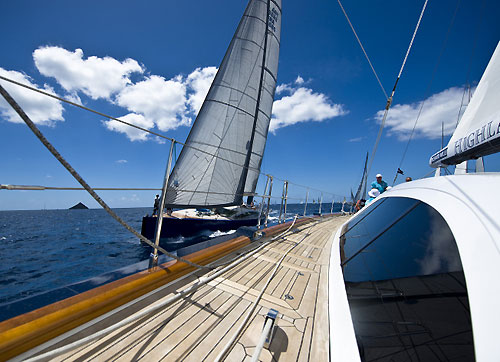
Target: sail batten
(221,159)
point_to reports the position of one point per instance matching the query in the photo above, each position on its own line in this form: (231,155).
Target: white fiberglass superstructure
(413,276)
(463,222)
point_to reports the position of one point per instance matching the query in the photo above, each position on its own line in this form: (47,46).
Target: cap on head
(378,175)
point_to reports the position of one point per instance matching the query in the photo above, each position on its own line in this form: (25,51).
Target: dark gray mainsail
(221,159)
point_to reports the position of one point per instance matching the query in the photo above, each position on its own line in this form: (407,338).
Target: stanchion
(269,198)
(305,206)
(153,258)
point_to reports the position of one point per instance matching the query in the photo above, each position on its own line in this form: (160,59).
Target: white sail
(222,156)
(478,133)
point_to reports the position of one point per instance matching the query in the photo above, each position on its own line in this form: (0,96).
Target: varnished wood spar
(29,330)
(197,327)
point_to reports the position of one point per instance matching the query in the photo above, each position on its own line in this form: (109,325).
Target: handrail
(10,187)
(82,182)
(151,132)
(148,310)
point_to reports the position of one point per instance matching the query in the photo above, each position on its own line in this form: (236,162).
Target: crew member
(379,184)
(373,193)
(156,205)
(359,205)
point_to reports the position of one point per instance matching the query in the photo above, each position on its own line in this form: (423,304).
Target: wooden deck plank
(137,334)
(221,329)
(285,264)
(198,327)
(193,333)
(251,294)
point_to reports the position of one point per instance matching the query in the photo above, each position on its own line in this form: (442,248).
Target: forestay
(478,133)
(223,152)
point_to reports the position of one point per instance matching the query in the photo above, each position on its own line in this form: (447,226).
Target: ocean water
(44,250)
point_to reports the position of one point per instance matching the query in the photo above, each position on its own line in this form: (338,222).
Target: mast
(223,153)
(267,89)
(244,174)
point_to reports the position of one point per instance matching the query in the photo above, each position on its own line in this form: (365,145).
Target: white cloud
(132,133)
(440,107)
(299,80)
(153,101)
(356,139)
(132,198)
(303,105)
(199,82)
(41,109)
(283,88)
(158,100)
(121,161)
(96,77)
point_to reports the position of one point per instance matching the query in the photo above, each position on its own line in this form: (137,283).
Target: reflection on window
(405,285)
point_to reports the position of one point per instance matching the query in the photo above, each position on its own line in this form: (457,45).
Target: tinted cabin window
(405,284)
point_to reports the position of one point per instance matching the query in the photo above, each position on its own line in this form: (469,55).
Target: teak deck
(198,327)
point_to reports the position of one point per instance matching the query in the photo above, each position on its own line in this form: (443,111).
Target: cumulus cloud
(199,82)
(132,133)
(303,105)
(151,101)
(283,88)
(95,77)
(438,108)
(158,100)
(41,109)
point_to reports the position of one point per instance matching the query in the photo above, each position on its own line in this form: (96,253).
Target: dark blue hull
(173,227)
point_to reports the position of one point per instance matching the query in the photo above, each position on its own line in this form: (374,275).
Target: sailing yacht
(413,276)
(221,159)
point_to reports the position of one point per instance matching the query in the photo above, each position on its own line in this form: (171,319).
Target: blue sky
(154,59)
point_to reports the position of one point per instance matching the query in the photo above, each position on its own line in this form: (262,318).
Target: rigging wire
(82,182)
(389,101)
(53,188)
(461,105)
(427,91)
(144,312)
(435,69)
(250,311)
(153,133)
(472,54)
(363,49)
(119,120)
(83,107)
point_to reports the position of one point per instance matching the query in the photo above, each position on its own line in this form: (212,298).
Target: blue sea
(47,250)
